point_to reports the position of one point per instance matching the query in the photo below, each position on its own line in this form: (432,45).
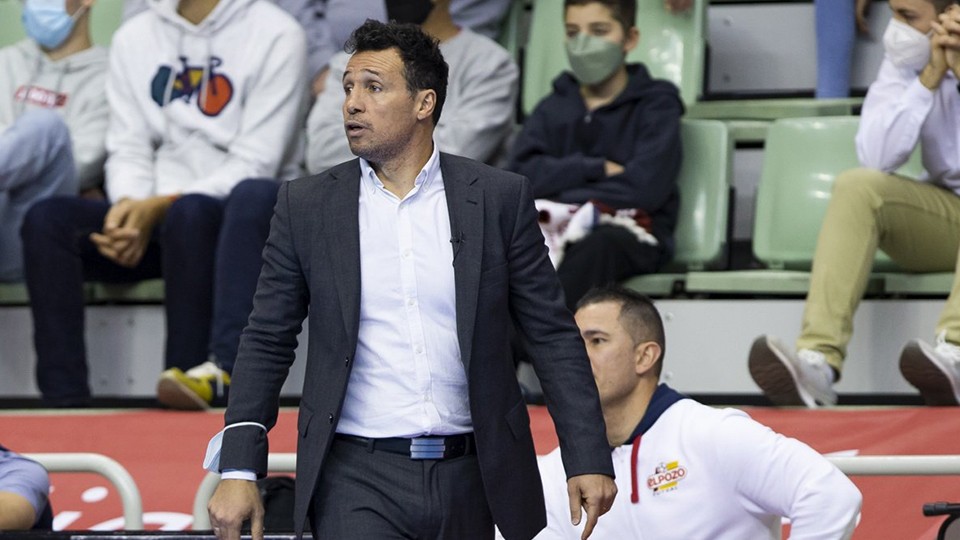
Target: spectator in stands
(24,490)
(914,221)
(53,117)
(685,470)
(603,154)
(482,16)
(481,98)
(328,23)
(311,14)
(203,94)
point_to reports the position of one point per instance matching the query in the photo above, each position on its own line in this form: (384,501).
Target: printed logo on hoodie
(40,97)
(212,90)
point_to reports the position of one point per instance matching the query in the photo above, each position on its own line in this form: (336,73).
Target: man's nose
(352,104)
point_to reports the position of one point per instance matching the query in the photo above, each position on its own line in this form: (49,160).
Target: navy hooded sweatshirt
(563,147)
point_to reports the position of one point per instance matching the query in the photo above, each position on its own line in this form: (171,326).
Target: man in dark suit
(414,265)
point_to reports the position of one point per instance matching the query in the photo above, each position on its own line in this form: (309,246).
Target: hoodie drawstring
(635,493)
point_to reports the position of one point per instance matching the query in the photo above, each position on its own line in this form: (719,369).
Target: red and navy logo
(666,477)
(188,84)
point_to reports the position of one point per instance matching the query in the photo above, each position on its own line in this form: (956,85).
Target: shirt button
(407,253)
(346,360)
(411,301)
(419,350)
(330,418)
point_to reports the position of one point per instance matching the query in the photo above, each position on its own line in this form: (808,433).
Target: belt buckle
(427,448)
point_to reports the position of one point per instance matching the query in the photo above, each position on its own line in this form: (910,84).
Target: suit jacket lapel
(341,226)
(465,205)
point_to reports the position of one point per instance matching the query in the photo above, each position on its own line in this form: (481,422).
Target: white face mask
(906,46)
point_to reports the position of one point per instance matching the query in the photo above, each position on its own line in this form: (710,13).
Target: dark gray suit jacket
(502,274)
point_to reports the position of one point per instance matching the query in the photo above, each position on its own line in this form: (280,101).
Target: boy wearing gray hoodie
(53,116)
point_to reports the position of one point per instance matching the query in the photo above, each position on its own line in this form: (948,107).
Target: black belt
(443,447)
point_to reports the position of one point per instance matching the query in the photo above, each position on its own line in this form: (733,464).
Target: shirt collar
(424,180)
(663,397)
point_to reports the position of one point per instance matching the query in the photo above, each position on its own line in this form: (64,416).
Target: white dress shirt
(899,113)
(407,379)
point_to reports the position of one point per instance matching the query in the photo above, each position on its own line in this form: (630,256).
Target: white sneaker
(789,378)
(933,370)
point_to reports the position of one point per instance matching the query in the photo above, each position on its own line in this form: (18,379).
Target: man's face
(613,355)
(917,13)
(379,112)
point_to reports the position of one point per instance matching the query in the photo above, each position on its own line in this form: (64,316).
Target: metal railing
(850,465)
(107,468)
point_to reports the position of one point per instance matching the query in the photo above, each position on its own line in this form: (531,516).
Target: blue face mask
(47,21)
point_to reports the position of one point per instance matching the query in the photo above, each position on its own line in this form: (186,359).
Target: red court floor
(163,451)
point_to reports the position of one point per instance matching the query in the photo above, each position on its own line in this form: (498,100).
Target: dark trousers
(366,494)
(207,250)
(609,254)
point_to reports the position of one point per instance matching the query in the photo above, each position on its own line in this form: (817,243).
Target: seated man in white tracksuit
(685,470)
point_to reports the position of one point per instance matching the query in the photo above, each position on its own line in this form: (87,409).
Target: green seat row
(144,292)
(801,160)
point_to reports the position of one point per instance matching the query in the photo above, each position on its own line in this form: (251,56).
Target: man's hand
(127,229)
(947,35)
(232,503)
(677,6)
(595,493)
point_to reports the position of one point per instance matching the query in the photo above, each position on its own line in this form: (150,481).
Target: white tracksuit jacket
(713,474)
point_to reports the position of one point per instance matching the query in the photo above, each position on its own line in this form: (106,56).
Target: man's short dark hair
(638,315)
(423,65)
(624,11)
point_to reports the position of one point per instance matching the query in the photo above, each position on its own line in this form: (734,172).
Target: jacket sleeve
(554,345)
(267,346)
(550,174)
(130,140)
(477,122)
(784,477)
(896,106)
(272,118)
(326,141)
(650,173)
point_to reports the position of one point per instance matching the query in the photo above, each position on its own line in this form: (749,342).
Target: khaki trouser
(916,224)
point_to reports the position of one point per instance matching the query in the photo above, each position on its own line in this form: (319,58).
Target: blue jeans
(207,250)
(836,35)
(36,162)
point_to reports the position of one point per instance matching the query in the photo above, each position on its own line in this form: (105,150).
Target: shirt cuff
(238,474)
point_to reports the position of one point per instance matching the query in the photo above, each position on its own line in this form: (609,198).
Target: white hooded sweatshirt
(73,86)
(198,108)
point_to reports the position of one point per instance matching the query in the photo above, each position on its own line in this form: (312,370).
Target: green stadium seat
(704,180)
(105,18)
(11,29)
(671,46)
(149,291)
(801,160)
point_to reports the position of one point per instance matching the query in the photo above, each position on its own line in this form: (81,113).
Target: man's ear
(427,102)
(633,39)
(646,356)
